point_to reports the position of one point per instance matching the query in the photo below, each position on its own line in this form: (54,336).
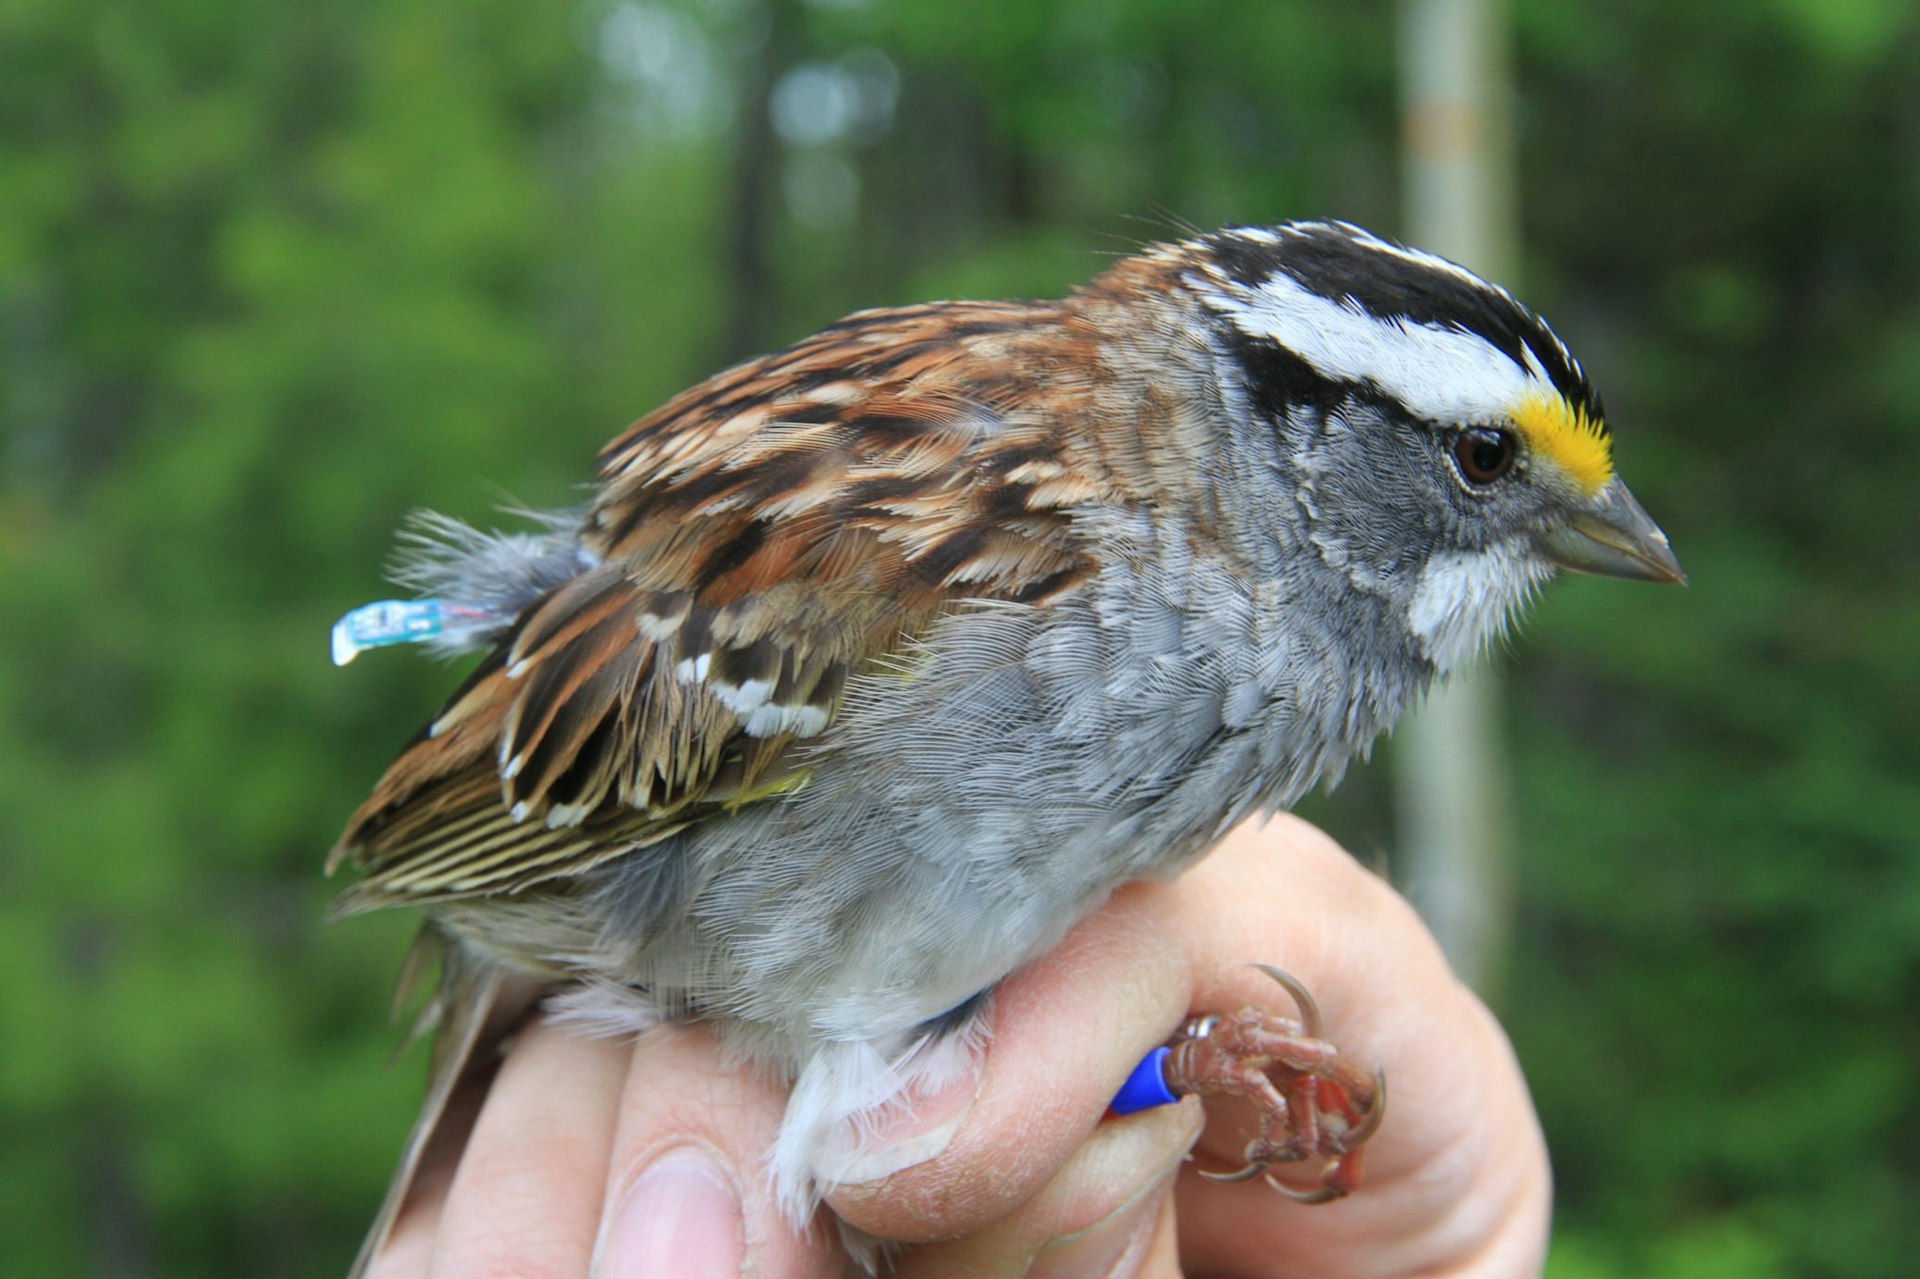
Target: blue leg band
(1146,1087)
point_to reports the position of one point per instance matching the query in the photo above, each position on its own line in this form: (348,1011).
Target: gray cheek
(1372,494)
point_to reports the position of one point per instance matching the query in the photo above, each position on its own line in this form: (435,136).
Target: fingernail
(1114,1245)
(682,1217)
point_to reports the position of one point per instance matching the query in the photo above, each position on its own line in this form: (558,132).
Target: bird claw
(1297,1081)
(1247,1173)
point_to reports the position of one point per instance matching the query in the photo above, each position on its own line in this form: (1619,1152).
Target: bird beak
(1612,537)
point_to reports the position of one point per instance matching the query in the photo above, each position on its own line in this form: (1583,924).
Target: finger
(1162,1260)
(1456,1179)
(1105,1212)
(687,1194)
(409,1249)
(525,1200)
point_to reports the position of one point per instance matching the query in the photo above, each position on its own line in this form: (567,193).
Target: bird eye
(1484,454)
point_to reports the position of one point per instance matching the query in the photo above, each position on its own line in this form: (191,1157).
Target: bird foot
(1312,1104)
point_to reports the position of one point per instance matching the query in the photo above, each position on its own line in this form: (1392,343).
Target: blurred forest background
(273,274)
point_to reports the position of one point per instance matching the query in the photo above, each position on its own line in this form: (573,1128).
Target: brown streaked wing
(761,536)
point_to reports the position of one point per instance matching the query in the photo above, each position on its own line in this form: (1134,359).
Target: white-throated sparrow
(877,663)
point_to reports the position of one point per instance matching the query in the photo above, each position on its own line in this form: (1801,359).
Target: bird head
(1446,450)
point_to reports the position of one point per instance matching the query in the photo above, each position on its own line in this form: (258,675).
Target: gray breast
(984,793)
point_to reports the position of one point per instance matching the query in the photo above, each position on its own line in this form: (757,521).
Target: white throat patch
(1465,599)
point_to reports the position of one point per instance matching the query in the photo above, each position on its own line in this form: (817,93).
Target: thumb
(1107,1212)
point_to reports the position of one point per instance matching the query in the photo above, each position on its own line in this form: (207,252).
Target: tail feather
(477,1005)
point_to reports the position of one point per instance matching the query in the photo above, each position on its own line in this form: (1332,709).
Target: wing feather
(753,541)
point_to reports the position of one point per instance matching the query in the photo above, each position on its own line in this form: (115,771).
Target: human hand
(662,1144)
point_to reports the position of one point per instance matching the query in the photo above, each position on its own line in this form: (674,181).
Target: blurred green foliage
(272,274)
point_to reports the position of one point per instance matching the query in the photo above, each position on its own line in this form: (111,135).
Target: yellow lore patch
(1574,442)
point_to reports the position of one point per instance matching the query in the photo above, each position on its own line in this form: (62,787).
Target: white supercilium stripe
(1441,374)
(1458,272)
